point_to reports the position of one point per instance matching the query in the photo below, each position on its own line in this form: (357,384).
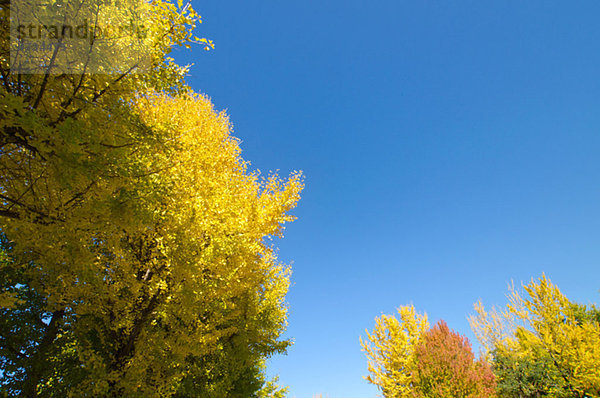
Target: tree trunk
(38,359)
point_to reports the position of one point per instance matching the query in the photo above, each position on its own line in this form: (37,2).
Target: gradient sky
(449,147)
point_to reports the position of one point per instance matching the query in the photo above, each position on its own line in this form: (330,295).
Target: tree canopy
(542,343)
(446,367)
(390,351)
(136,258)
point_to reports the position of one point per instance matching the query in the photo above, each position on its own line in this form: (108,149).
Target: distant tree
(542,343)
(390,351)
(272,389)
(446,367)
(523,377)
(407,359)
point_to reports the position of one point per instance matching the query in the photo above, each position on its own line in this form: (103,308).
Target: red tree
(446,367)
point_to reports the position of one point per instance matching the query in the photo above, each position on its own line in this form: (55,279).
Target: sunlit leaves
(408,359)
(163,262)
(542,343)
(140,230)
(390,351)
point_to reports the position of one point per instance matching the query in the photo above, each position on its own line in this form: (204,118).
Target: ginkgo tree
(390,350)
(136,255)
(542,343)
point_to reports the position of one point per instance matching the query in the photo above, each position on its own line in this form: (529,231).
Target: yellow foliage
(389,349)
(134,225)
(544,323)
(159,245)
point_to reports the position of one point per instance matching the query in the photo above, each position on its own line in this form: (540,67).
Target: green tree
(524,377)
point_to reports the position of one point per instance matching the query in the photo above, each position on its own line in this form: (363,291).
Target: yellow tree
(136,255)
(147,286)
(542,329)
(390,351)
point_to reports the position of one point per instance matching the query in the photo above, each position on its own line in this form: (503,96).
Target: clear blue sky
(448,148)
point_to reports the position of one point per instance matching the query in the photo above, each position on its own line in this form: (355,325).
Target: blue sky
(448,148)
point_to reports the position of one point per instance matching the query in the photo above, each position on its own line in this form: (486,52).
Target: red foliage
(446,367)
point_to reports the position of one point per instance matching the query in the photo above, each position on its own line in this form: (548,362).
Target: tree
(136,258)
(271,389)
(542,333)
(390,351)
(179,288)
(407,359)
(445,367)
(524,377)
